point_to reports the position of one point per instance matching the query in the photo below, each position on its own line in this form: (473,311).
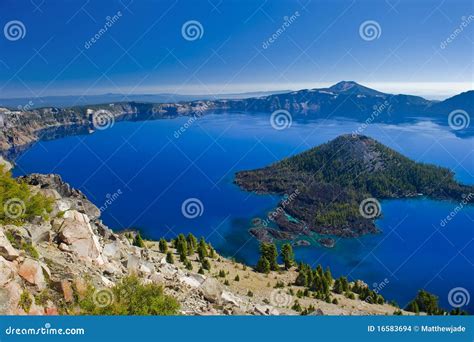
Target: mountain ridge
(349,99)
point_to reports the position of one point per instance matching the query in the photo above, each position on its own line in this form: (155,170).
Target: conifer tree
(263,265)
(287,255)
(163,245)
(169,258)
(138,241)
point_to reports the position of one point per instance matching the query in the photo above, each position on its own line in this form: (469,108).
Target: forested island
(335,188)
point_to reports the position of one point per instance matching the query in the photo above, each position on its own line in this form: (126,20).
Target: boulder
(67,291)
(144,269)
(132,264)
(266,310)
(32,271)
(211,290)
(230,298)
(40,232)
(7,271)
(81,287)
(7,166)
(76,232)
(6,249)
(113,250)
(157,278)
(190,281)
(9,297)
(62,205)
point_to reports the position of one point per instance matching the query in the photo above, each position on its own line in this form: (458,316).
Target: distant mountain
(463,101)
(332,188)
(353,88)
(344,99)
(82,100)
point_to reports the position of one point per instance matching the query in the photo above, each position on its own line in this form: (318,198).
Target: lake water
(151,168)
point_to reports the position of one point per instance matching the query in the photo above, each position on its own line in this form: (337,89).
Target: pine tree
(169,258)
(287,255)
(189,265)
(328,275)
(202,249)
(192,243)
(163,245)
(212,252)
(270,253)
(263,265)
(206,264)
(138,241)
(338,286)
(182,247)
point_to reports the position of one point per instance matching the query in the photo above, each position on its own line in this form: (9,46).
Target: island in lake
(335,188)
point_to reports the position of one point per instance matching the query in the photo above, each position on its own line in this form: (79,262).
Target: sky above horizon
(86,47)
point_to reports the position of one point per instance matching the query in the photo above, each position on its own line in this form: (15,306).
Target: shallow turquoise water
(154,169)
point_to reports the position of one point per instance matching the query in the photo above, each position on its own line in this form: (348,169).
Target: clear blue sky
(144,50)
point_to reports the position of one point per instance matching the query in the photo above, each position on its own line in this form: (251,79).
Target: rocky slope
(74,250)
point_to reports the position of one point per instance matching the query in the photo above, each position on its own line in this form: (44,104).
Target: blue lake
(152,169)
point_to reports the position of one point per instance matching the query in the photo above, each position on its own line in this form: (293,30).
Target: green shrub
(206,264)
(25,301)
(163,245)
(18,204)
(138,241)
(130,297)
(169,258)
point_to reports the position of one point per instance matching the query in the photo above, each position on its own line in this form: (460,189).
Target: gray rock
(190,281)
(230,298)
(6,249)
(211,290)
(76,232)
(7,271)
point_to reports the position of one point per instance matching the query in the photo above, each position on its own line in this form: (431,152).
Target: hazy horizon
(181,47)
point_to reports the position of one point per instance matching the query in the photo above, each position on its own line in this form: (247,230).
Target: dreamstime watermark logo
(465,21)
(280,299)
(110,199)
(192,30)
(281,119)
(377,288)
(47,329)
(110,21)
(198,113)
(458,297)
(102,119)
(192,208)
(103,297)
(14,30)
(281,208)
(27,107)
(370,208)
(458,119)
(370,30)
(287,21)
(377,110)
(14,208)
(466,199)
